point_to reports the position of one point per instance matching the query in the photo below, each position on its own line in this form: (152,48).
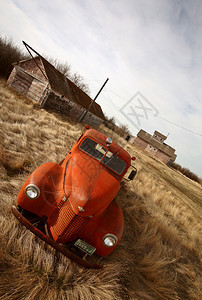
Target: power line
(179,125)
(117,95)
(164,119)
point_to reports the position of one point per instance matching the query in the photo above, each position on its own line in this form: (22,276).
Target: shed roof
(61,84)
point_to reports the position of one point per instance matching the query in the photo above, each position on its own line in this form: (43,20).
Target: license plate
(85,246)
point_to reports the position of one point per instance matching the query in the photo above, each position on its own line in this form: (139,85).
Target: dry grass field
(159,255)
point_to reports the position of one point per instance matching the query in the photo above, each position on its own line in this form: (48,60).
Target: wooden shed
(43,83)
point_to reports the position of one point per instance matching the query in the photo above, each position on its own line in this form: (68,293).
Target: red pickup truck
(71,205)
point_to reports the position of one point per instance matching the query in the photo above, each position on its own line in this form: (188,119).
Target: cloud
(149,46)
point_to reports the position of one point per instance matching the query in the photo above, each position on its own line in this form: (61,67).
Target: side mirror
(132,174)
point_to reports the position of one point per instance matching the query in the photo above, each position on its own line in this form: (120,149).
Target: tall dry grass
(159,255)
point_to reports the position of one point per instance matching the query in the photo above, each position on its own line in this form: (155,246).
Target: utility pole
(82,116)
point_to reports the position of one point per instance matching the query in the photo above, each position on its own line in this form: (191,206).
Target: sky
(149,49)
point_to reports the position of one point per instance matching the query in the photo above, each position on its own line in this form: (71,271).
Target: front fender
(112,222)
(49,179)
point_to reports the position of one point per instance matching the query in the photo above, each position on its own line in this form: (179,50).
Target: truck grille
(65,223)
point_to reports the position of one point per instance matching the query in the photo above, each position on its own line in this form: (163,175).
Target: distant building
(155,145)
(39,80)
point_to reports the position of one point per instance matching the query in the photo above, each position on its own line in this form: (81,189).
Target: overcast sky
(149,49)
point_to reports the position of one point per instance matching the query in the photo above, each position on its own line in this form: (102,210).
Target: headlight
(32,191)
(109,240)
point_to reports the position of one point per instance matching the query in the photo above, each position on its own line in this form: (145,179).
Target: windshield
(114,162)
(101,153)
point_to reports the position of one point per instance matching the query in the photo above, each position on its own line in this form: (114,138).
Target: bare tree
(64,68)
(125,129)
(79,81)
(9,54)
(110,122)
(121,130)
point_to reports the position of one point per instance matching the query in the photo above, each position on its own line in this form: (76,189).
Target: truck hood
(87,184)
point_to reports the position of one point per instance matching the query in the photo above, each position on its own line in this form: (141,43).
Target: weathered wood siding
(62,105)
(36,90)
(31,67)
(21,81)
(92,119)
(57,104)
